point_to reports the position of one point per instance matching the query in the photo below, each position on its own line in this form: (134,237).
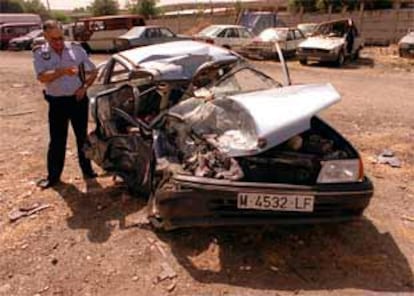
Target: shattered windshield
(135,32)
(242,81)
(332,29)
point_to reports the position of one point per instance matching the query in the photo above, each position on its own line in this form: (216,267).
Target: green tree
(11,6)
(238,6)
(80,10)
(104,7)
(146,8)
(308,5)
(61,17)
(36,6)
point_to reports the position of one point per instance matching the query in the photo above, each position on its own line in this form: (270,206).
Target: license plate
(275,202)
(316,59)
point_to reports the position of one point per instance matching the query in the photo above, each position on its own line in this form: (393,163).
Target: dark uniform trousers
(61,111)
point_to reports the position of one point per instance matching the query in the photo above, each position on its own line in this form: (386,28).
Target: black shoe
(90,175)
(46,183)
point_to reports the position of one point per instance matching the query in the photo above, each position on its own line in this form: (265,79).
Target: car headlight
(335,50)
(121,43)
(404,45)
(341,171)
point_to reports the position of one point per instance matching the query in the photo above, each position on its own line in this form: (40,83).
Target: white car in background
(264,44)
(228,36)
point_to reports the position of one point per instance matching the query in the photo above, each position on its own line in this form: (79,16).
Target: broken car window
(243,80)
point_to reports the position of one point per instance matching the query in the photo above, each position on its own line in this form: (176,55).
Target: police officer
(66,71)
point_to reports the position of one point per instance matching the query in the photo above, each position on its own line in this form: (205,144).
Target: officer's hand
(80,93)
(71,71)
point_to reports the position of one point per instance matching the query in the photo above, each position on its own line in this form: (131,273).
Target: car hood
(409,38)
(251,123)
(322,42)
(127,37)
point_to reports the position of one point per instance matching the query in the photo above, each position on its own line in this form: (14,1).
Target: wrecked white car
(234,148)
(333,41)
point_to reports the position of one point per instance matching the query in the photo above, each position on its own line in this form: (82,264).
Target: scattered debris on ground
(24,211)
(388,157)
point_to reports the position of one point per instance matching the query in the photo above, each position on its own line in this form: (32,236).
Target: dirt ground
(93,238)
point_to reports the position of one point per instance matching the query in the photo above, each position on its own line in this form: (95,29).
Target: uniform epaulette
(36,47)
(75,43)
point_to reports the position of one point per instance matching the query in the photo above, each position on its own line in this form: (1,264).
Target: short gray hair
(51,24)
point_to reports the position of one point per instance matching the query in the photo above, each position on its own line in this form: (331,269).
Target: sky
(71,4)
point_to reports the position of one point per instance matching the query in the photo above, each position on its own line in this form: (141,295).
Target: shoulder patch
(46,55)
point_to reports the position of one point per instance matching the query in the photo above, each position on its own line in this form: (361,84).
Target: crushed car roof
(140,55)
(176,60)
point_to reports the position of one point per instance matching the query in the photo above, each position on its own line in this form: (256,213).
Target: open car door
(121,142)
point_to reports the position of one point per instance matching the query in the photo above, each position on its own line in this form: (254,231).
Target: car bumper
(258,51)
(16,46)
(191,201)
(317,55)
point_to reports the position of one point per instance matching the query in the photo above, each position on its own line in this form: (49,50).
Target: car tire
(227,46)
(142,190)
(357,54)
(303,62)
(340,59)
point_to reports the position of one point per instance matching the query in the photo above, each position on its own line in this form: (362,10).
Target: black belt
(50,98)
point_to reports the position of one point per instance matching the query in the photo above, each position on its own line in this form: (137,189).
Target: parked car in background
(146,35)
(228,36)
(333,41)
(9,31)
(213,141)
(25,42)
(406,45)
(98,33)
(307,28)
(264,44)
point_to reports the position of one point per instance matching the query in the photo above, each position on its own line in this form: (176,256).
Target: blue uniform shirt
(45,59)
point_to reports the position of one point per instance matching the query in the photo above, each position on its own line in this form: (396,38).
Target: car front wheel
(303,62)
(341,59)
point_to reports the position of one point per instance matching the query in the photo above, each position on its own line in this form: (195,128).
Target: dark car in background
(210,140)
(9,31)
(25,42)
(146,35)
